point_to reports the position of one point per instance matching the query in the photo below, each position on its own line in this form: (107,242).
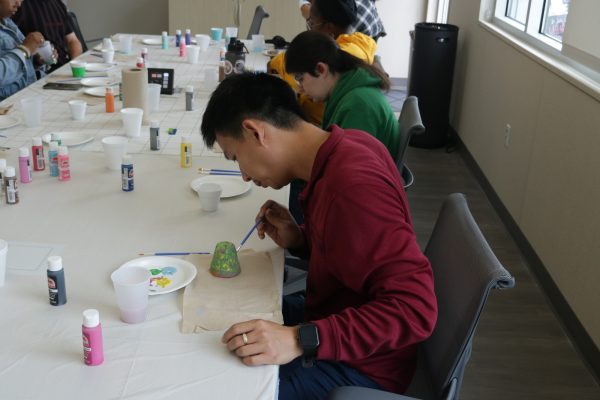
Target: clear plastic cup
(216,34)
(45,52)
(153,97)
(258,43)
(32,111)
(115,148)
(193,54)
(126,43)
(202,41)
(132,121)
(131,287)
(210,196)
(78,108)
(231,31)
(78,68)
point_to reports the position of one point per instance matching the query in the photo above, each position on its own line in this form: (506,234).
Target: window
(543,20)
(555,18)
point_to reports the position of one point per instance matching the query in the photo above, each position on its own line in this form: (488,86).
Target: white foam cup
(132,121)
(78,108)
(115,148)
(32,111)
(210,195)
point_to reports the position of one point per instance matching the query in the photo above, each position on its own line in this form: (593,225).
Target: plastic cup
(193,53)
(107,44)
(108,56)
(202,41)
(115,148)
(131,287)
(126,43)
(3,256)
(32,110)
(231,31)
(77,109)
(216,34)
(258,43)
(210,195)
(45,52)
(78,68)
(211,78)
(153,97)
(132,121)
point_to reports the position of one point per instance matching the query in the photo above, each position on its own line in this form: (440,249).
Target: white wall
(549,175)
(399,17)
(100,18)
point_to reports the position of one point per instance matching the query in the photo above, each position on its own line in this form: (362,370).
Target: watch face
(309,336)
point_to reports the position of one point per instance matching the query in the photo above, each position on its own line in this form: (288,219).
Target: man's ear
(321,68)
(254,129)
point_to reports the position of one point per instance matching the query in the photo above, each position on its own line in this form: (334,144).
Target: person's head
(242,115)
(316,61)
(8,8)
(332,17)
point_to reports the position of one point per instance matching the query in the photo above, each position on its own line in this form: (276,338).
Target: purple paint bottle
(24,165)
(188,37)
(91,330)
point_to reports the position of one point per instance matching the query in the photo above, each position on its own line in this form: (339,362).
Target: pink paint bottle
(182,48)
(24,165)
(64,166)
(93,352)
(37,150)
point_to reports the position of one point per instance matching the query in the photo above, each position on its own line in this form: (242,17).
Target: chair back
(465,269)
(259,15)
(410,124)
(77,30)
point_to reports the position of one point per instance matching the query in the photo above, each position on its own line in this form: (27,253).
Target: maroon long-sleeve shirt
(369,287)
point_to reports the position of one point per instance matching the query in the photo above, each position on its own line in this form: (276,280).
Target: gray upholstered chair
(259,15)
(410,124)
(465,270)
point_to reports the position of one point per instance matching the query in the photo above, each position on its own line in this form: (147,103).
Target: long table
(96,227)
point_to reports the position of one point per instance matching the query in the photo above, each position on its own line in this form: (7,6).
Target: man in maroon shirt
(369,299)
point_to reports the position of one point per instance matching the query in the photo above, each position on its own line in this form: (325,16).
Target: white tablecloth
(100,227)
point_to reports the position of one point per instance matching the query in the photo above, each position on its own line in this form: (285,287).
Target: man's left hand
(260,342)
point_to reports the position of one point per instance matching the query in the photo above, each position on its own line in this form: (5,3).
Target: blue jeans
(315,383)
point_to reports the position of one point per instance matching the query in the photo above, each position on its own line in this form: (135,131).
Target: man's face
(8,8)
(257,158)
(316,23)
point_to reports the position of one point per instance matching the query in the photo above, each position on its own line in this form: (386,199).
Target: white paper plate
(232,185)
(167,273)
(94,82)
(8,121)
(69,139)
(155,41)
(99,91)
(98,67)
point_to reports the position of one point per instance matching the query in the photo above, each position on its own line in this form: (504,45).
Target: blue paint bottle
(53,158)
(127,174)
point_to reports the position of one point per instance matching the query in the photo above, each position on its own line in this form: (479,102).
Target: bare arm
(74,45)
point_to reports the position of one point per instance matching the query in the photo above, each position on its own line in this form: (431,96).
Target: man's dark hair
(249,95)
(341,13)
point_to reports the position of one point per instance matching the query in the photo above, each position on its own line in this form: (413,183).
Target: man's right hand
(33,41)
(278,223)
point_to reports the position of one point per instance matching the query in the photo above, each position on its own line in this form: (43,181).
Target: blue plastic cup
(216,34)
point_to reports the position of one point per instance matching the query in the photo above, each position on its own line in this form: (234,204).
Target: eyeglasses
(310,25)
(299,78)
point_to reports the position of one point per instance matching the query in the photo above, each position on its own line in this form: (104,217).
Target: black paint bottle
(57,291)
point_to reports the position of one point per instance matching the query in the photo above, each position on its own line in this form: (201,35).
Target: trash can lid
(430,26)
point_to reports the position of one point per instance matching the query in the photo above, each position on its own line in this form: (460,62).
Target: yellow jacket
(357,44)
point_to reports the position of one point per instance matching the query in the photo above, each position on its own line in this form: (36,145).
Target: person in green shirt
(351,88)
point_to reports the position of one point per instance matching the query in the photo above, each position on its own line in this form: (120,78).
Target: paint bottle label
(12,191)
(39,163)
(64,169)
(127,177)
(53,156)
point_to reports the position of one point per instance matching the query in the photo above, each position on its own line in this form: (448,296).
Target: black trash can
(431,71)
